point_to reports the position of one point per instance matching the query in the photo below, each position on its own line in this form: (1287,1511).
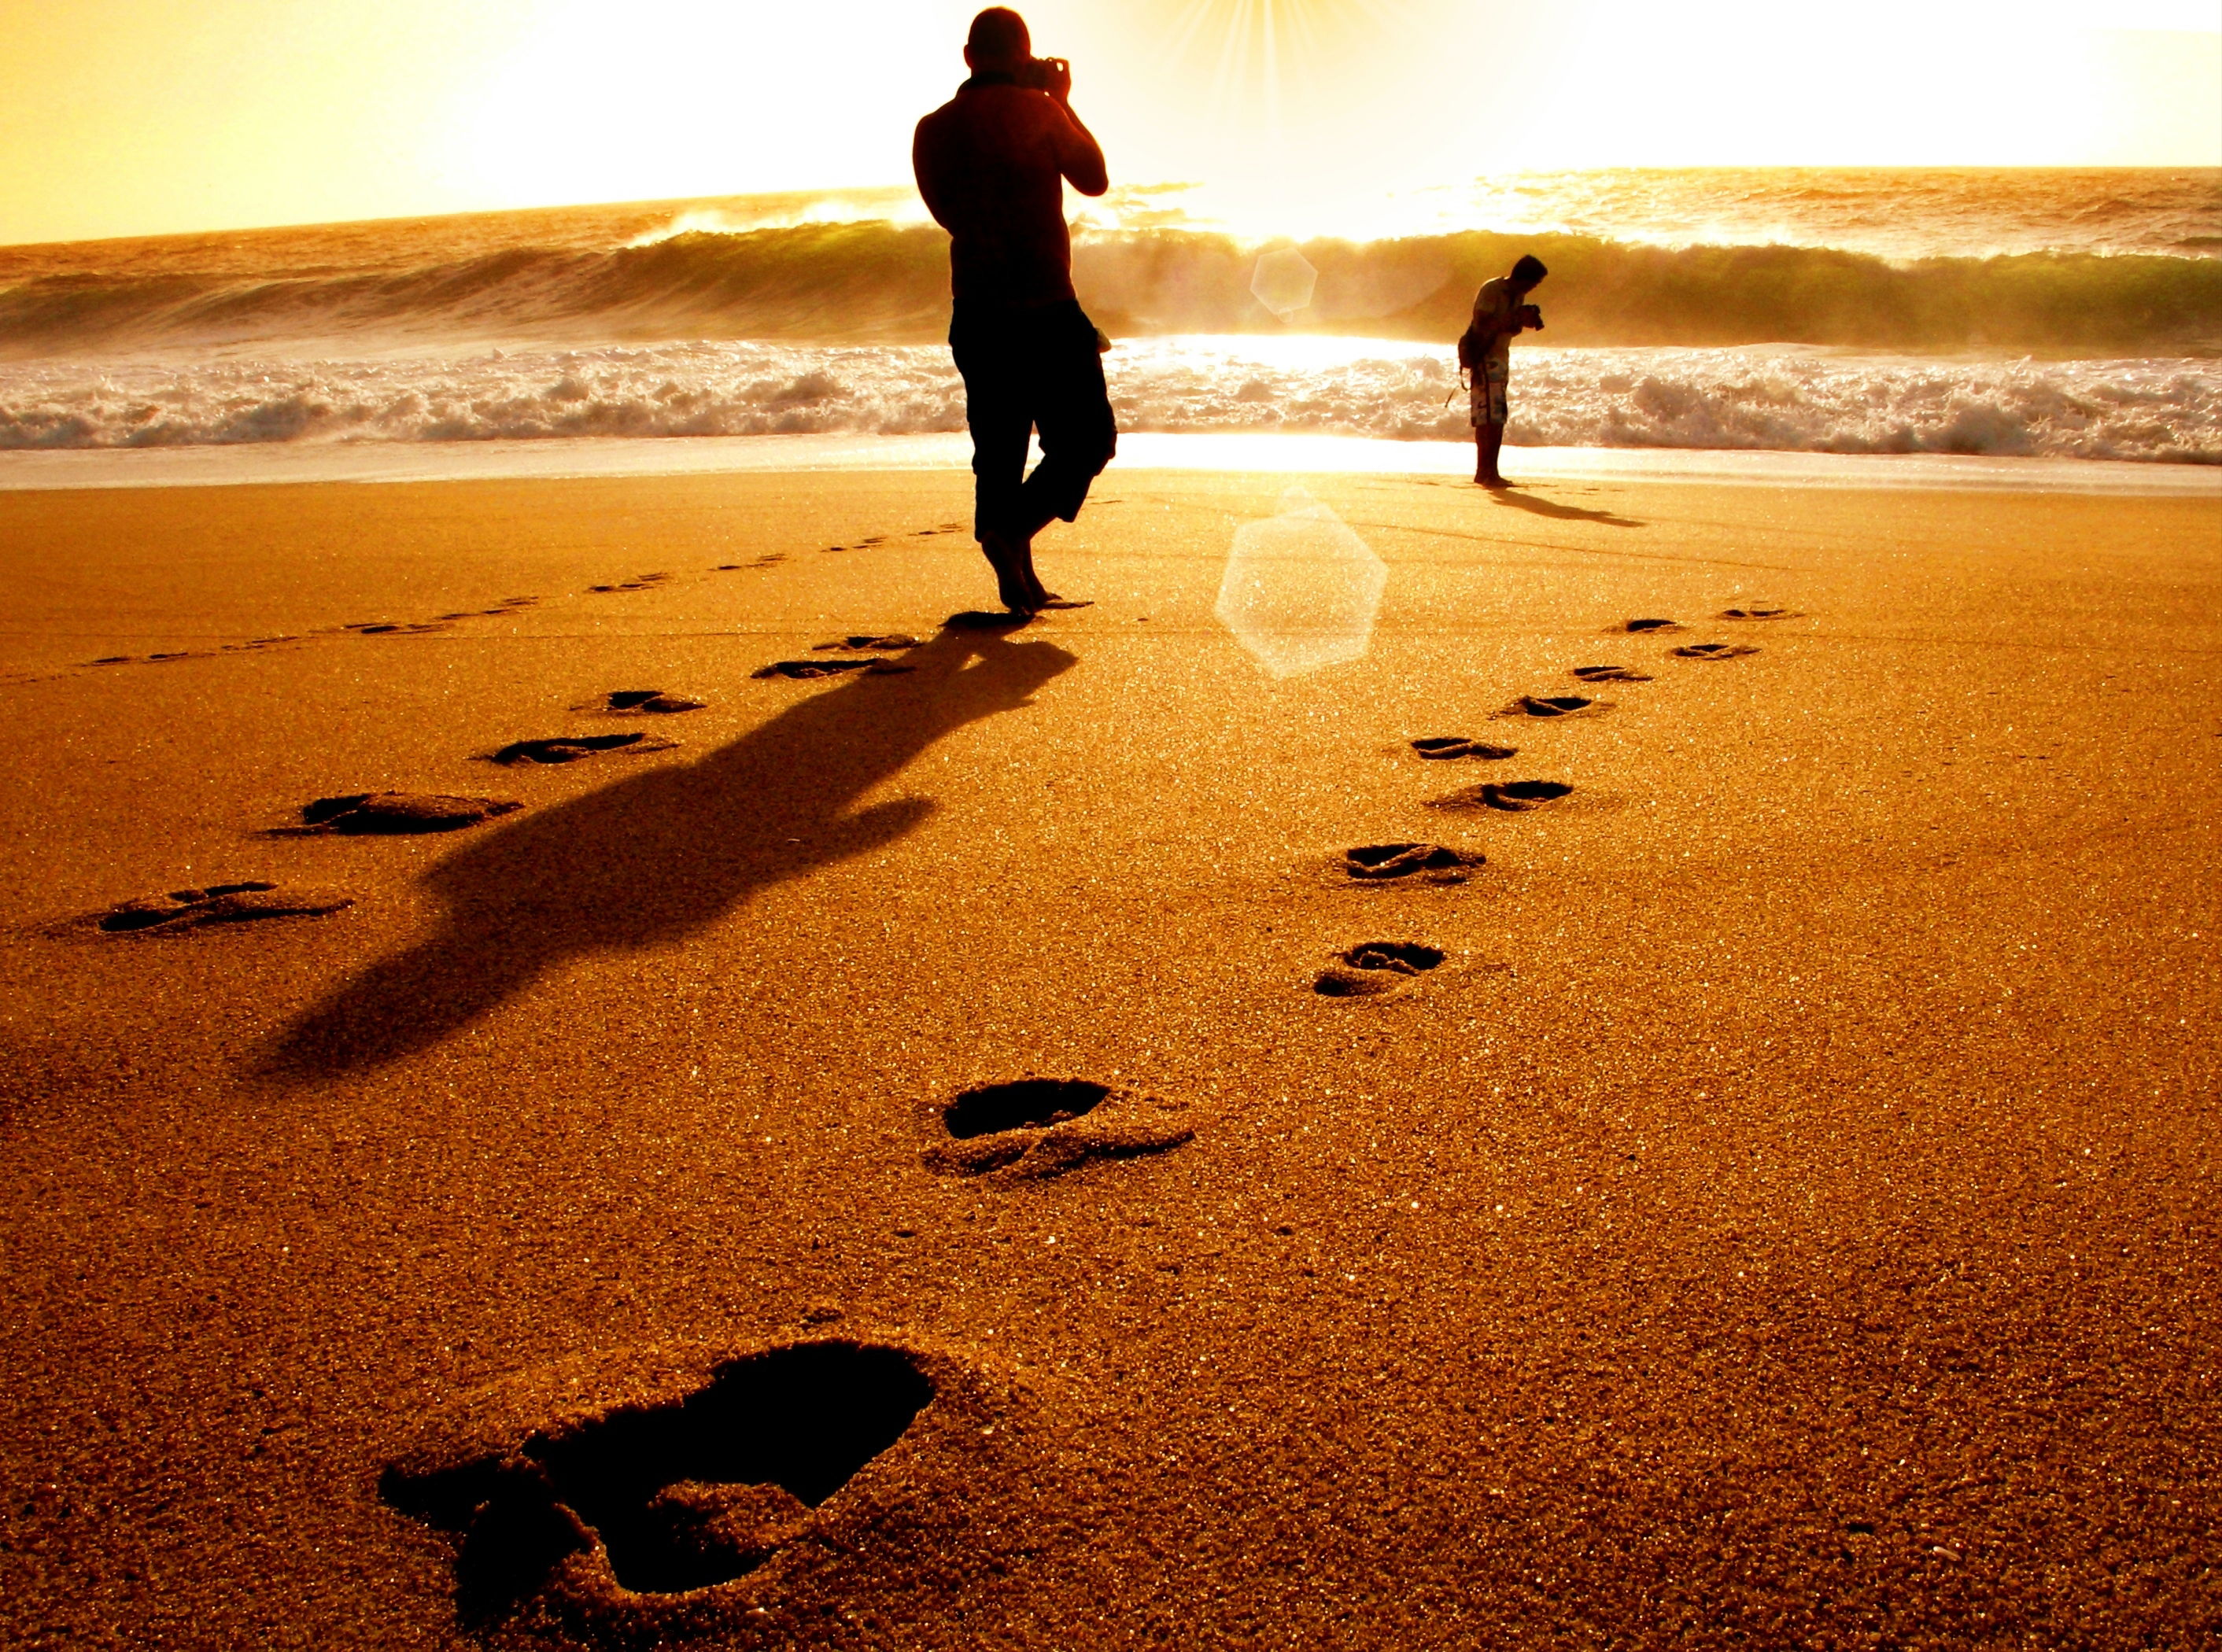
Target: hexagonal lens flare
(1301,590)
(1284,281)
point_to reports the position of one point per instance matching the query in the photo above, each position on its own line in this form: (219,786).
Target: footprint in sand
(1043,1127)
(652,1498)
(639,582)
(1373,967)
(570,748)
(651,700)
(1651,627)
(1756,613)
(1512,797)
(1444,748)
(1555,705)
(182,910)
(1714,651)
(1610,674)
(892,642)
(1433,863)
(803,670)
(399,813)
(386,628)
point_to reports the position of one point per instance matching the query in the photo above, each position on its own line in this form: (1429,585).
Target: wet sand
(1771,1201)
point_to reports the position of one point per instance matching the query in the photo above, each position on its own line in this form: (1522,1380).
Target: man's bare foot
(1015,580)
(1494,483)
(1038,595)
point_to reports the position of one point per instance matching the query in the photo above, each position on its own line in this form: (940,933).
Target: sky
(121,117)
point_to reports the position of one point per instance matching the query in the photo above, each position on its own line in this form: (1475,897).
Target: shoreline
(560,458)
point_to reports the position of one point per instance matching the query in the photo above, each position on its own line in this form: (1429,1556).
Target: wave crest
(882,282)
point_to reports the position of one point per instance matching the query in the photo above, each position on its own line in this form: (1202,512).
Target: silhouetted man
(1501,311)
(992,163)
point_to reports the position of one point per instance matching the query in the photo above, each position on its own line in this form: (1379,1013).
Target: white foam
(1780,398)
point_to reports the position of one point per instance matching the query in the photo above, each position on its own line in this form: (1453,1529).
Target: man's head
(999,42)
(1527,273)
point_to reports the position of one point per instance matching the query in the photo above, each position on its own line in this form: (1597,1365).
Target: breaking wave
(884,282)
(2139,409)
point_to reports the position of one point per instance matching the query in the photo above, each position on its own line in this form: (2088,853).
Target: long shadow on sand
(1541,507)
(662,854)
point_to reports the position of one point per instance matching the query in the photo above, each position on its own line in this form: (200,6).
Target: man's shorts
(1490,402)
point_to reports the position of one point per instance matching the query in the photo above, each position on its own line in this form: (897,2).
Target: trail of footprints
(1376,968)
(392,814)
(508,606)
(395,814)
(631,1499)
(580,1503)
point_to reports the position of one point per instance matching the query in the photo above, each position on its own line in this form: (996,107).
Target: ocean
(2041,313)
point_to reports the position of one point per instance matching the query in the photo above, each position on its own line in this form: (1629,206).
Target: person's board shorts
(1491,404)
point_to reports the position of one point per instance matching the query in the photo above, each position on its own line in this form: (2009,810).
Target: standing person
(1501,310)
(992,163)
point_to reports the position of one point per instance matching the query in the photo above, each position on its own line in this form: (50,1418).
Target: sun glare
(121,117)
(1254,48)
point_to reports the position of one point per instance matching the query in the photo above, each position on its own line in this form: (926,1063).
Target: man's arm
(1493,317)
(1079,157)
(923,167)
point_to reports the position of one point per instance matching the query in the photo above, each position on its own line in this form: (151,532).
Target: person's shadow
(1551,508)
(666,853)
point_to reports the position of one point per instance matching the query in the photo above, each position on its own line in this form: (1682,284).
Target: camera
(1044,74)
(1530,317)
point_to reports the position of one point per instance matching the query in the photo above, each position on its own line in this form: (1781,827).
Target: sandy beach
(1767,1198)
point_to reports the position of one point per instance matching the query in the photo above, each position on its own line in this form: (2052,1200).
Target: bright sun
(121,117)
(1258,50)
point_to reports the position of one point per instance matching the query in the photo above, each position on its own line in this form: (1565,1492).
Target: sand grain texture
(1790,1224)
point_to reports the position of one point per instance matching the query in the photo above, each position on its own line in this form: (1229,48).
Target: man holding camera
(1501,310)
(992,163)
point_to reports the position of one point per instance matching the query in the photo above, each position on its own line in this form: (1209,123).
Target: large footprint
(654,1490)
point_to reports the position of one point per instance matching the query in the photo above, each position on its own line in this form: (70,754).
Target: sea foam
(2150,409)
